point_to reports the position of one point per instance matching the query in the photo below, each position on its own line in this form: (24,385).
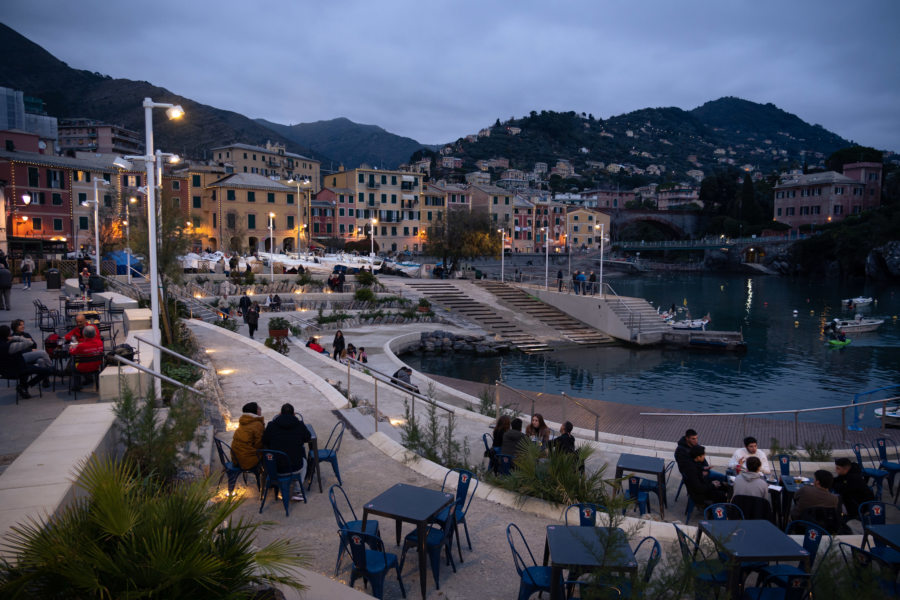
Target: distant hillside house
(497,202)
(478,178)
(451,162)
(819,198)
(269,161)
(610,198)
(583,227)
(678,196)
(88,135)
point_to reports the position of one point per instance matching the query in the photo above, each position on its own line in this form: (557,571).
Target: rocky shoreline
(439,342)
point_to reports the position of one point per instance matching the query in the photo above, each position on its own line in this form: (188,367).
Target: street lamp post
(372,237)
(502,233)
(546,231)
(299,227)
(96,203)
(602,240)
(173,112)
(271,248)
(127,224)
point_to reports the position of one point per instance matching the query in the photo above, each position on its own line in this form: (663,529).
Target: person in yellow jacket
(248,436)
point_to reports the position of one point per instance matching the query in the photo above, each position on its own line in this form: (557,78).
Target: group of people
(582,283)
(285,433)
(751,467)
(508,436)
(336,282)
(341,350)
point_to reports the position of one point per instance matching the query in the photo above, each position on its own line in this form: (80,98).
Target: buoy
(765,303)
(796,312)
(812,312)
(895,317)
(796,323)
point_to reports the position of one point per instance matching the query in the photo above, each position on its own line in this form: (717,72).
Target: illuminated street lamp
(271,248)
(502,233)
(602,241)
(307,183)
(127,224)
(372,238)
(96,203)
(546,231)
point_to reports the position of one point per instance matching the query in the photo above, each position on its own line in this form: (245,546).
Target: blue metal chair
(533,578)
(344,525)
(708,573)
(813,534)
(797,588)
(864,565)
(723,511)
(634,493)
(370,561)
(875,473)
(463,482)
(874,513)
(623,583)
(688,510)
(330,451)
(280,481)
(489,451)
(436,539)
(784,464)
(891,466)
(504,464)
(651,486)
(231,468)
(587,513)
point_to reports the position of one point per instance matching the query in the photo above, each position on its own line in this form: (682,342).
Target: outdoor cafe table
(783,500)
(750,541)
(413,504)
(634,463)
(888,534)
(587,549)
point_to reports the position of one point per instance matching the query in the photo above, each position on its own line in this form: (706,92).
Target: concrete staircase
(449,296)
(638,317)
(198,310)
(569,327)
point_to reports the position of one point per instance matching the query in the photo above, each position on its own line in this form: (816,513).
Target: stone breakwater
(445,341)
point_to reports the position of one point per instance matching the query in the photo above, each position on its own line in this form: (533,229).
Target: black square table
(313,465)
(413,504)
(587,549)
(751,541)
(635,463)
(888,534)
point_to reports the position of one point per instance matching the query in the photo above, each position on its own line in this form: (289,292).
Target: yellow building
(272,160)
(583,227)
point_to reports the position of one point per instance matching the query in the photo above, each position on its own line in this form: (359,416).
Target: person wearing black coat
(338,344)
(700,488)
(851,486)
(565,442)
(286,433)
(244,304)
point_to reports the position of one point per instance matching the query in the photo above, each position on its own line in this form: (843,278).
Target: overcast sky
(436,71)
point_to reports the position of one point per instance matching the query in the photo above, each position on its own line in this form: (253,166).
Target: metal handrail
(127,290)
(153,373)
(499,384)
(172,353)
(796,412)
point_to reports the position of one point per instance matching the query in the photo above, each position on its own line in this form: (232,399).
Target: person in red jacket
(77,334)
(92,345)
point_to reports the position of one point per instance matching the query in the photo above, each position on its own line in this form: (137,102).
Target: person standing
(27,270)
(338,344)
(251,317)
(244,304)
(84,280)
(286,433)
(5,287)
(593,281)
(3,260)
(559,278)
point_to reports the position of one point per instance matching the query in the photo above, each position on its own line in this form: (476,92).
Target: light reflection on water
(786,366)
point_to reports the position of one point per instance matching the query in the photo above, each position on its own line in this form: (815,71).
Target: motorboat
(858,301)
(859,324)
(691,324)
(891,416)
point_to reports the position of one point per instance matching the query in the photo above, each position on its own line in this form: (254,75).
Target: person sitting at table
(248,436)
(77,333)
(851,487)
(33,357)
(750,481)
(684,461)
(276,302)
(565,441)
(702,490)
(537,430)
(502,426)
(512,437)
(286,433)
(751,448)
(91,345)
(815,495)
(10,347)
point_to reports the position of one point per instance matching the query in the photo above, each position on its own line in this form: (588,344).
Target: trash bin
(53,279)
(478,274)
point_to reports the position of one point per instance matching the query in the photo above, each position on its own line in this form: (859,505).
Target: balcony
(372,185)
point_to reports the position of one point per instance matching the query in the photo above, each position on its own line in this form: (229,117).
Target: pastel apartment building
(272,160)
(88,135)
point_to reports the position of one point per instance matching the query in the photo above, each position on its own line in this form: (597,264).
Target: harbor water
(788,363)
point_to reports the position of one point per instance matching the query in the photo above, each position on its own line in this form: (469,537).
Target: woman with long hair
(538,429)
(500,428)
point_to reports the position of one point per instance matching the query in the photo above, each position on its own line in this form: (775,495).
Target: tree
(852,154)
(465,235)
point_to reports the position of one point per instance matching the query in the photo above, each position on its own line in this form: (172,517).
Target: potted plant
(279,327)
(424,305)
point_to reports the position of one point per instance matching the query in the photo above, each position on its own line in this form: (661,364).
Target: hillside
(69,92)
(352,143)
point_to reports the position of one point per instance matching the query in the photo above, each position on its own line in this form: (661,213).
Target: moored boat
(859,325)
(858,301)
(839,343)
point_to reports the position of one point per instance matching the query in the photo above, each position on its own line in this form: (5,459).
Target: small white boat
(858,301)
(892,417)
(691,324)
(859,324)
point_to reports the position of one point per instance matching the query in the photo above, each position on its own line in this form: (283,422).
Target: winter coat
(751,484)
(88,347)
(248,438)
(339,343)
(853,490)
(287,434)
(5,278)
(27,266)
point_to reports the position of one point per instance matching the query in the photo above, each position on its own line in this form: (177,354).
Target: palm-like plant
(129,538)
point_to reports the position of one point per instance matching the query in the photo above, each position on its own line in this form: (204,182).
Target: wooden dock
(626,420)
(717,341)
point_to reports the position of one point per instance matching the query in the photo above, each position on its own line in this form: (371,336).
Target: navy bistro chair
(231,468)
(330,451)
(813,534)
(504,463)
(864,565)
(370,561)
(875,473)
(344,525)
(651,486)
(280,481)
(435,541)
(708,573)
(532,578)
(873,513)
(587,513)
(463,482)
(784,464)
(723,511)
(796,588)
(634,493)
(891,466)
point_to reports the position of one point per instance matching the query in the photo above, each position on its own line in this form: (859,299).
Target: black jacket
(245,303)
(853,490)
(5,278)
(287,433)
(564,443)
(683,457)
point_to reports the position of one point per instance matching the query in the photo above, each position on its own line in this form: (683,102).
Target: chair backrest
(634,486)
(858,453)
(872,513)
(686,544)
(463,482)
(587,513)
(513,534)
(813,534)
(784,463)
(357,543)
(881,447)
(220,448)
(93,361)
(269,459)
(753,507)
(488,440)
(669,468)
(652,558)
(862,564)
(796,589)
(504,463)
(335,437)
(826,517)
(334,498)
(723,511)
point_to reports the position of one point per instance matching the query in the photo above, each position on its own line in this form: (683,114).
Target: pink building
(818,198)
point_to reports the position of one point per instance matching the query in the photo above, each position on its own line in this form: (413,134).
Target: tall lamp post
(297,182)
(96,203)
(127,224)
(502,233)
(271,248)
(546,230)
(173,112)
(372,237)
(602,240)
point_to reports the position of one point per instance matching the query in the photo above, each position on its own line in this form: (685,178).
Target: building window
(57,224)
(176,202)
(83,223)
(270,197)
(384,198)
(107,200)
(290,198)
(838,209)
(290,221)
(362,178)
(778,212)
(195,180)
(393,231)
(230,195)
(34,178)
(406,231)
(36,224)
(196,202)
(328,228)
(251,221)
(132,181)
(251,196)
(176,185)
(393,180)
(214,221)
(231,220)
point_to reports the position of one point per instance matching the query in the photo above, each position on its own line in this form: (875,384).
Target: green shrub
(279,323)
(249,278)
(365,278)
(226,323)
(775,448)
(278,344)
(424,303)
(820,451)
(337,317)
(296,330)
(394,299)
(364,295)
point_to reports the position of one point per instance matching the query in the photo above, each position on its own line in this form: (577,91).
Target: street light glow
(26,198)
(175,112)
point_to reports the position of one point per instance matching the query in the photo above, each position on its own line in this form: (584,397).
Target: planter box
(278,333)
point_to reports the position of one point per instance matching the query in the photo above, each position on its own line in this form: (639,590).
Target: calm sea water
(788,363)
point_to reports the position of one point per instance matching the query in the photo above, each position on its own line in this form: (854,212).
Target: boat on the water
(691,324)
(891,416)
(858,301)
(839,343)
(859,324)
